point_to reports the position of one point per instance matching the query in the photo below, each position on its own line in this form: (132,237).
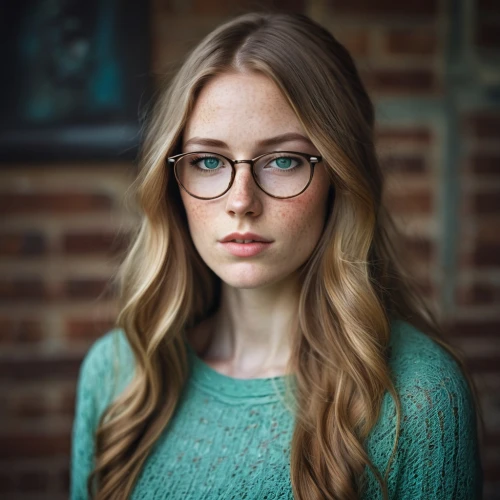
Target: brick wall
(429,66)
(62,230)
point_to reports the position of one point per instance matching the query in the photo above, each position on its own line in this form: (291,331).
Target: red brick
(355,41)
(484,125)
(493,437)
(57,367)
(406,164)
(401,81)
(404,135)
(478,294)
(486,203)
(410,203)
(420,248)
(26,244)
(33,481)
(20,330)
(18,404)
(488,34)
(483,364)
(487,230)
(22,289)
(385,7)
(31,445)
(411,42)
(94,242)
(87,288)
(27,406)
(486,164)
(487,255)
(62,203)
(87,329)
(474,328)
(490,471)
(66,403)
(64,479)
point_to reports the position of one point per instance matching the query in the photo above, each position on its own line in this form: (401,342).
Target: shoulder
(110,350)
(437,453)
(427,378)
(417,359)
(106,369)
(112,343)
(104,372)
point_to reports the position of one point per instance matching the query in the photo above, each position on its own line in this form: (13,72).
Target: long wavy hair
(352,285)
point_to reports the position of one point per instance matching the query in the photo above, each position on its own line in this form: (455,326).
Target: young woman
(268,346)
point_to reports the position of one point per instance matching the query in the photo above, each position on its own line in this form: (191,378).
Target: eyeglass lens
(208,175)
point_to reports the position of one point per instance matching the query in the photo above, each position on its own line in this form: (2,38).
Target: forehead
(241,107)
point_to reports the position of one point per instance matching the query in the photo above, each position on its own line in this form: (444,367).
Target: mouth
(244,248)
(244,241)
(244,238)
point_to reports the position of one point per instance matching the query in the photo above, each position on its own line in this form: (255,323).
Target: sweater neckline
(211,381)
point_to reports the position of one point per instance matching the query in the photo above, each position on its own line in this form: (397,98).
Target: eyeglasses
(280,174)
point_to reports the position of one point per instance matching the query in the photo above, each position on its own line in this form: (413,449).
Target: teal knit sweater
(230,438)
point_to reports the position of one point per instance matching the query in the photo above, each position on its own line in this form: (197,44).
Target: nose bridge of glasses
(250,162)
(244,182)
(245,172)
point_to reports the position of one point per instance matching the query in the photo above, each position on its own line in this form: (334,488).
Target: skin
(249,336)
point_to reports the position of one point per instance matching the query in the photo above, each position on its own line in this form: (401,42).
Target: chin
(248,277)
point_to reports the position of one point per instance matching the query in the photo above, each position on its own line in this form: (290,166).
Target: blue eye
(205,162)
(210,163)
(284,162)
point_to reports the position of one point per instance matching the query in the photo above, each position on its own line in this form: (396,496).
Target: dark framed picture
(75,77)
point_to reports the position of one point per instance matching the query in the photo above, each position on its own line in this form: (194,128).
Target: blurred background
(76,77)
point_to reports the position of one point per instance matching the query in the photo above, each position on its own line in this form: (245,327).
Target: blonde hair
(352,285)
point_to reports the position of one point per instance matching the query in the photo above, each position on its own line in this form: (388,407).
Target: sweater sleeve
(97,383)
(82,449)
(437,456)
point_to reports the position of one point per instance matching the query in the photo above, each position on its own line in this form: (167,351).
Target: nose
(244,195)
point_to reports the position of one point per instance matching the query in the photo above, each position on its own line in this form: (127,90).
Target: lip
(245,236)
(245,249)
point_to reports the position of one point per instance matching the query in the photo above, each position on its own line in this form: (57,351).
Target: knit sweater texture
(230,438)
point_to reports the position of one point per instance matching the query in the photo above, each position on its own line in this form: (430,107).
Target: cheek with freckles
(307,210)
(301,220)
(200,215)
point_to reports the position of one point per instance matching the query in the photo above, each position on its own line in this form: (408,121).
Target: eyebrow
(272,141)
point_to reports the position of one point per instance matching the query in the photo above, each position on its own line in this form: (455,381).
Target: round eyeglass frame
(313,160)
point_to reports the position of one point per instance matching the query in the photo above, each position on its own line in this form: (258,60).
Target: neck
(252,329)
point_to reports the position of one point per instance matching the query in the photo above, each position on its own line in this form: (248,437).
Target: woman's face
(241,110)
